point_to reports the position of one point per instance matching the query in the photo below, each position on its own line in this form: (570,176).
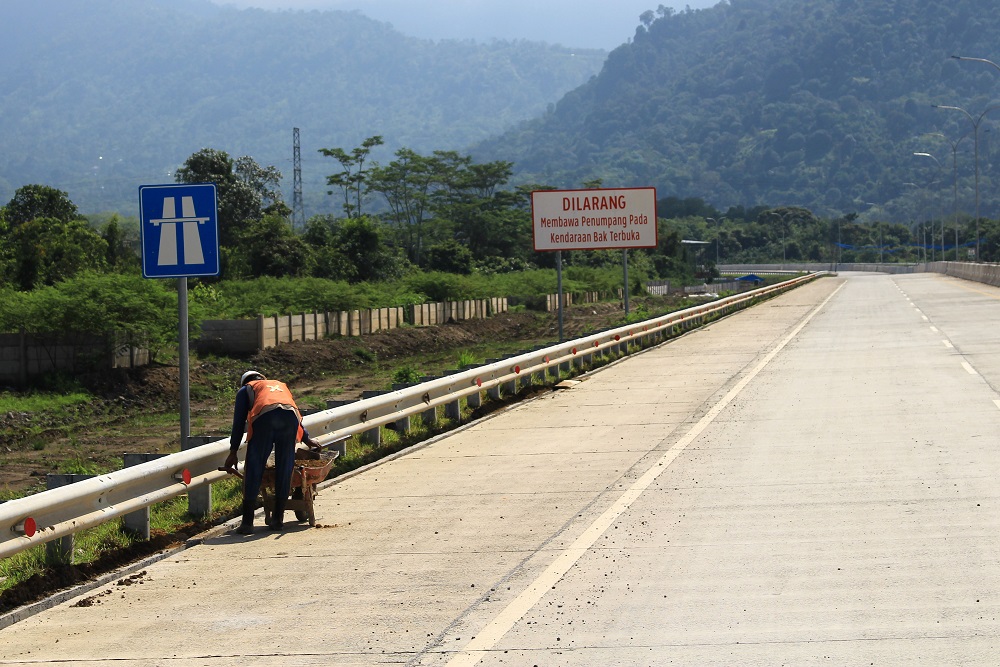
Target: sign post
(179,226)
(594,219)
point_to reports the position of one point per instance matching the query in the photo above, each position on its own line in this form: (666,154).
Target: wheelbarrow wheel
(301,515)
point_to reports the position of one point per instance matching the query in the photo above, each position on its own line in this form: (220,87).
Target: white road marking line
(996,402)
(925,318)
(947,344)
(934,329)
(493,632)
(969,369)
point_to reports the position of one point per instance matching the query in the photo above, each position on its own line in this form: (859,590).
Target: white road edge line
(493,632)
(947,344)
(968,368)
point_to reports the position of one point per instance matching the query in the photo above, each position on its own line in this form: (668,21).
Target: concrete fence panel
(24,356)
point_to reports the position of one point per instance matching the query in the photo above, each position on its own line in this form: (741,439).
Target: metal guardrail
(42,517)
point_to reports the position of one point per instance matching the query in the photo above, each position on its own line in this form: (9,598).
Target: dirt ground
(137,410)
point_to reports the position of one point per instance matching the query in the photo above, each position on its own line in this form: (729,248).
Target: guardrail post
(200,498)
(60,552)
(473,400)
(494,391)
(509,388)
(553,370)
(430,416)
(342,445)
(538,377)
(401,425)
(372,436)
(137,522)
(453,410)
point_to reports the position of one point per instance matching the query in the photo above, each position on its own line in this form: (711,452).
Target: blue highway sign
(179,225)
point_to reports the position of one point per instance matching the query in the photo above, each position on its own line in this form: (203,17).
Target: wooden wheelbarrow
(306,474)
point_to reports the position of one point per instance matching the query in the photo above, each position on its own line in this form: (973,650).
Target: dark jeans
(275,429)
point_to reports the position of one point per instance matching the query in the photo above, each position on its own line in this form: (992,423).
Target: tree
(243,189)
(352,179)
(265,183)
(121,255)
(487,220)
(450,257)
(408,184)
(360,241)
(39,201)
(327,259)
(269,247)
(49,250)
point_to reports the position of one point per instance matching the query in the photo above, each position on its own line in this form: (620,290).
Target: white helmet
(251,375)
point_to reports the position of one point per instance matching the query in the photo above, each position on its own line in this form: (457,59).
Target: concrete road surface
(810,482)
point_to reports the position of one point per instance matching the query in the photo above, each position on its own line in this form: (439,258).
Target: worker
(267,412)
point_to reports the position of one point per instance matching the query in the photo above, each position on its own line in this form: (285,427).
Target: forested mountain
(816,103)
(101,96)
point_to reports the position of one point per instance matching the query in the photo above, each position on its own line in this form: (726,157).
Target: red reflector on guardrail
(183,476)
(617,337)
(479,382)
(26,527)
(517,370)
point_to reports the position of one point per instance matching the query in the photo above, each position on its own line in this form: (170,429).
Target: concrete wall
(715,288)
(980,273)
(24,356)
(249,336)
(815,266)
(570,298)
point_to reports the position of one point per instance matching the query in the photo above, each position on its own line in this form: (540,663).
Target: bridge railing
(42,517)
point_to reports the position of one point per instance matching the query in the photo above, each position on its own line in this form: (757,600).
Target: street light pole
(873,204)
(940,170)
(954,171)
(975,135)
(717,232)
(978,60)
(996,67)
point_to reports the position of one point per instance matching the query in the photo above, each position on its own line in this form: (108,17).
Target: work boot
(246,525)
(277,521)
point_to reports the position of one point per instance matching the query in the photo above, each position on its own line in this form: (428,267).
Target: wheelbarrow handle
(320,447)
(231,471)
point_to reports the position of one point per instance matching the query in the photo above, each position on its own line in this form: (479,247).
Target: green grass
(41,401)
(91,544)
(406,374)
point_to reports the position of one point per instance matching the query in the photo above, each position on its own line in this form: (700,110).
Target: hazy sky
(601,24)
